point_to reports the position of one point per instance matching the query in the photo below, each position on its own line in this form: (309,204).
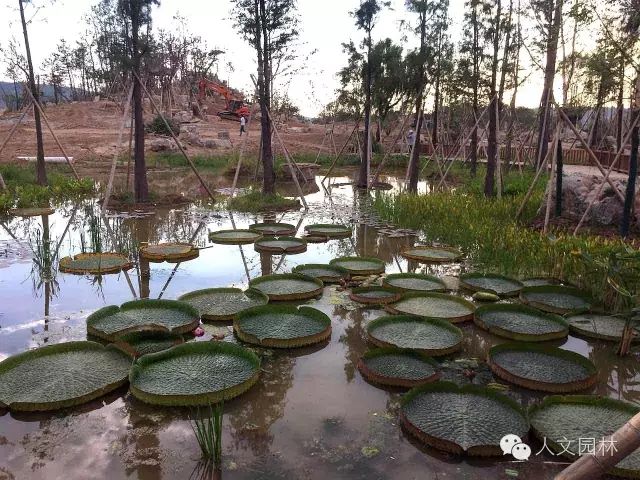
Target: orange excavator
(236,108)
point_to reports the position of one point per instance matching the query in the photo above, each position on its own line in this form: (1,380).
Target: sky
(325,26)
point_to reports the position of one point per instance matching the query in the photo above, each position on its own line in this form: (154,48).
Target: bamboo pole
(241,153)
(498,160)
(173,135)
(346,143)
(15,127)
(53,134)
(388,152)
(130,152)
(550,184)
(112,174)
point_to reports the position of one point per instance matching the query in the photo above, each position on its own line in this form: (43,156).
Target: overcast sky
(325,25)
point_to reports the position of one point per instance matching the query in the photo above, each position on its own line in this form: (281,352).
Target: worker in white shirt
(243,123)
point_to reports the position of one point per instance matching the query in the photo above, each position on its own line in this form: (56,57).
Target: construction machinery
(235,108)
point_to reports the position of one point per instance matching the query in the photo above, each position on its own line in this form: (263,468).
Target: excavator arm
(235,108)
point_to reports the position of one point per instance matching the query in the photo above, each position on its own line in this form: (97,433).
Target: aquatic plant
(256,201)
(208,431)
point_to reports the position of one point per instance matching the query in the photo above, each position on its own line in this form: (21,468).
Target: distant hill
(6,88)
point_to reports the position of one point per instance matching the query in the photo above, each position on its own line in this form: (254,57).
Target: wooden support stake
(241,153)
(112,174)
(335,160)
(550,184)
(53,134)
(15,127)
(388,152)
(173,135)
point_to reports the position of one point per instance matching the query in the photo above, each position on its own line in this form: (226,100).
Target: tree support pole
(386,155)
(241,154)
(15,127)
(346,143)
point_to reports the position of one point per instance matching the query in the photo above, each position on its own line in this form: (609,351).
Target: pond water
(311,414)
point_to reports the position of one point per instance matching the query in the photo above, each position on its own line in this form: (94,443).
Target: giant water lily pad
(461,419)
(325,272)
(281,245)
(556,299)
(427,254)
(32,212)
(234,237)
(602,327)
(328,230)
(520,322)
(543,368)
(398,367)
(61,375)
(137,344)
(196,373)
(359,265)
(429,335)
(273,228)
(168,316)
(434,305)
(223,304)
(374,295)
(95,264)
(282,326)
(489,282)
(565,421)
(540,281)
(414,282)
(288,286)
(169,252)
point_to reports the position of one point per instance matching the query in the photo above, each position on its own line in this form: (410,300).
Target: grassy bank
(256,201)
(24,192)
(486,230)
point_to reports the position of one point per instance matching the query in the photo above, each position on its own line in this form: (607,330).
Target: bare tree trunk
(366,158)
(492,140)
(140,185)
(264,84)
(620,107)
(41,171)
(633,165)
(476,81)
(414,161)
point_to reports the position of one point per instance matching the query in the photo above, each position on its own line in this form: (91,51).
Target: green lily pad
(288,286)
(316,238)
(556,299)
(543,368)
(485,297)
(234,237)
(374,295)
(359,265)
(602,327)
(223,304)
(136,344)
(273,229)
(414,282)
(328,230)
(397,367)
(281,245)
(282,326)
(195,373)
(434,305)
(60,376)
(565,421)
(95,264)
(168,316)
(431,336)
(169,252)
(540,281)
(325,272)
(427,254)
(520,322)
(461,419)
(499,284)
(32,212)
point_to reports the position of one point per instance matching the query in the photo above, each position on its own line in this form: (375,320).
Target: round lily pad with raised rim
(95,264)
(540,281)
(520,322)
(565,420)
(60,376)
(556,299)
(374,295)
(431,336)
(288,286)
(273,229)
(599,326)
(234,237)
(169,252)
(316,238)
(539,367)
(360,265)
(490,282)
(223,304)
(328,230)
(168,316)
(397,367)
(136,344)
(195,373)
(32,212)
(427,254)
(414,282)
(461,419)
(282,326)
(434,305)
(322,271)
(281,245)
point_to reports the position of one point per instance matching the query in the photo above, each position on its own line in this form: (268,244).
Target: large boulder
(162,145)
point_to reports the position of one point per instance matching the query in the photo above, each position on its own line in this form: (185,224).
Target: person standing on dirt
(243,123)
(411,139)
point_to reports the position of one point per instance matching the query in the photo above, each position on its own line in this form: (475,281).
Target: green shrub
(158,126)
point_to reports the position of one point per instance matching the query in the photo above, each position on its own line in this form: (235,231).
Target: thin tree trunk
(559,168)
(492,140)
(264,81)
(414,161)
(41,171)
(633,170)
(364,165)
(140,185)
(620,109)
(476,81)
